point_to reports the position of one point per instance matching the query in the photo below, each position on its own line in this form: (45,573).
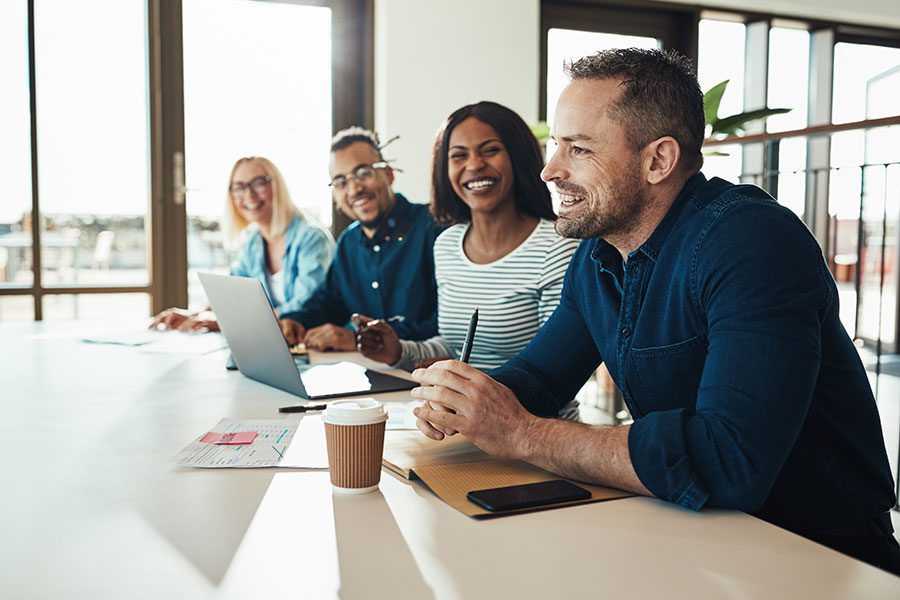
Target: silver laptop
(254,337)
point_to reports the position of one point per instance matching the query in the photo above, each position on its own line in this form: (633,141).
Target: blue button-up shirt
(390,276)
(307,255)
(722,332)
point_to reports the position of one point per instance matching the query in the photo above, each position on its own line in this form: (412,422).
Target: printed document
(277,444)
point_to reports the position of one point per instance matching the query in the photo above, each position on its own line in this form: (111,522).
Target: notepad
(455,466)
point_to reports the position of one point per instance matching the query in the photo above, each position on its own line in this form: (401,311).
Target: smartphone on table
(528,495)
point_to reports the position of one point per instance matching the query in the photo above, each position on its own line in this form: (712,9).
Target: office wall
(432,57)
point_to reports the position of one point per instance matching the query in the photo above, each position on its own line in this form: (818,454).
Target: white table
(92,508)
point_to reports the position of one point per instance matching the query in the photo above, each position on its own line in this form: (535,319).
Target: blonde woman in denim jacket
(286,253)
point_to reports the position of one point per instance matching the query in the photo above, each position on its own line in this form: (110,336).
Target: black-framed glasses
(361,174)
(258,185)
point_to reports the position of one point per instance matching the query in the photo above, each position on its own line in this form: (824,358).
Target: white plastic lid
(363,411)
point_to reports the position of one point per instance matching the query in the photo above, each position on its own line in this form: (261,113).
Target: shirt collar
(656,240)
(395,224)
(605,253)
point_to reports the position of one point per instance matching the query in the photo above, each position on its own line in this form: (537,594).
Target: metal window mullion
(756,83)
(168,220)
(35,204)
(818,148)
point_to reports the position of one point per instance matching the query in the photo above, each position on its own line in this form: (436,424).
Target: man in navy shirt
(384,262)
(716,315)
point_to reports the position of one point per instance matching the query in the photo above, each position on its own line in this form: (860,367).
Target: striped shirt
(514,295)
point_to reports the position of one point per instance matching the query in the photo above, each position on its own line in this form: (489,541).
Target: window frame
(353,92)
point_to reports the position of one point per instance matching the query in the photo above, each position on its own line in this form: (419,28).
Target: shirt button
(376,248)
(626,332)
(374,285)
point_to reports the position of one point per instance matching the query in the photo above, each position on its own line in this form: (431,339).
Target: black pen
(470,338)
(302,408)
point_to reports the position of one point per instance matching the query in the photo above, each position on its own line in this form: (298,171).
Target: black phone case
(500,499)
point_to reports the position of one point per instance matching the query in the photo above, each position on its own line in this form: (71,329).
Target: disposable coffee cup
(354,433)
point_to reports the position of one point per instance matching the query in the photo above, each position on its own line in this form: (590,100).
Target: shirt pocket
(668,377)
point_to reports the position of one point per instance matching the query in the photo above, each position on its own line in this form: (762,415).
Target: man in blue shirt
(384,263)
(716,315)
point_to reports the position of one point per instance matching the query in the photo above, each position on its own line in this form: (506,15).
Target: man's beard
(618,214)
(375,222)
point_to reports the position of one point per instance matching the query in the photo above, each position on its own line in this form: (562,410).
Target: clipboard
(454,466)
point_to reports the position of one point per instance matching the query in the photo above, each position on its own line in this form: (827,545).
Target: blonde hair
(283,209)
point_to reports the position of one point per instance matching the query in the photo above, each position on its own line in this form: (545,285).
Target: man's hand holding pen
(459,397)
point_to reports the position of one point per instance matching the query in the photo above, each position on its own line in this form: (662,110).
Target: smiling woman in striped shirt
(501,253)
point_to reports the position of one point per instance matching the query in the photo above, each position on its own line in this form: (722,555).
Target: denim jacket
(722,332)
(308,252)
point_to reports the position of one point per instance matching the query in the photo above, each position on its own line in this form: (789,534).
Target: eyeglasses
(258,185)
(361,175)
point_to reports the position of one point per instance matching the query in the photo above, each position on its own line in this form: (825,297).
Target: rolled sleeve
(661,459)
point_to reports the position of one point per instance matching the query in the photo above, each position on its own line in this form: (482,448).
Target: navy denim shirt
(722,332)
(390,276)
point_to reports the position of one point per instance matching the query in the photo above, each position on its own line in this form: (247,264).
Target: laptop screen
(345,378)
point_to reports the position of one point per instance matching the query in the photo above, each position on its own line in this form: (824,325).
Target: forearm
(592,454)
(412,352)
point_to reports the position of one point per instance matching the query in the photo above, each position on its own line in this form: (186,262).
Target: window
(867,83)
(15,155)
(238,105)
(92,142)
(788,87)
(103,150)
(566,45)
(92,150)
(720,57)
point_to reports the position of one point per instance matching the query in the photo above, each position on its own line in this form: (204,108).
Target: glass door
(74,118)
(257,82)
(15,157)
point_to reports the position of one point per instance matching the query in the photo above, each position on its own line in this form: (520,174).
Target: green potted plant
(722,127)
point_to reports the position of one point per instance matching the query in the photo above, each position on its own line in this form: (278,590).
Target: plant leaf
(541,131)
(715,153)
(734,123)
(711,101)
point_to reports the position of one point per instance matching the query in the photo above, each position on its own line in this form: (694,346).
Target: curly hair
(351,135)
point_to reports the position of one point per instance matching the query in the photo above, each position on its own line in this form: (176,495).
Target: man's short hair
(352,135)
(660,97)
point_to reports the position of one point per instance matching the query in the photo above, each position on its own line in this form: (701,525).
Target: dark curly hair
(660,97)
(351,135)
(532,195)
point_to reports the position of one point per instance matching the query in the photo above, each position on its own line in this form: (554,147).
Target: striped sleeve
(553,272)
(412,352)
